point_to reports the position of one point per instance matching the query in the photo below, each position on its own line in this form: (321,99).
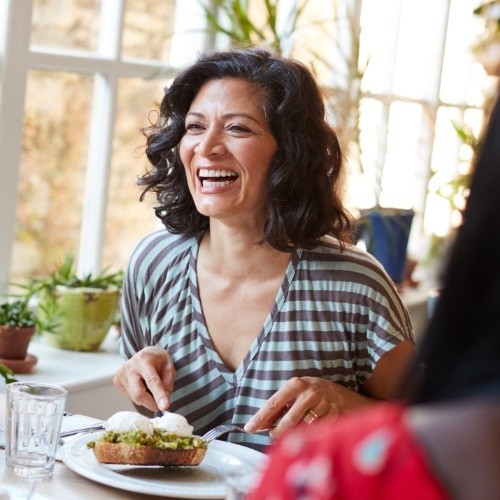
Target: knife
(88,428)
(72,432)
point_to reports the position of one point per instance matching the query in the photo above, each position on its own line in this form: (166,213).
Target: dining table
(63,484)
(228,466)
(91,400)
(78,475)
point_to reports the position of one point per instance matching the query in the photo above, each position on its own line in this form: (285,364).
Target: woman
(252,305)
(446,442)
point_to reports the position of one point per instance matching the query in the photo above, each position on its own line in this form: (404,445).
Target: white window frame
(107,65)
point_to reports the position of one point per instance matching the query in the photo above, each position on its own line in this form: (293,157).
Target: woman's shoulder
(162,241)
(359,277)
(331,249)
(349,259)
(159,250)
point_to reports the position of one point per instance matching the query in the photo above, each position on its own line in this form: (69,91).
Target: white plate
(203,481)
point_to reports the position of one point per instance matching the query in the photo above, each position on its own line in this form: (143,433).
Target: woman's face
(226,151)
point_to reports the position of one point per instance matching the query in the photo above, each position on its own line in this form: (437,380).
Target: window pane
(451,166)
(55,143)
(148,29)
(128,220)
(462,80)
(379,35)
(398,181)
(372,153)
(418,48)
(66,24)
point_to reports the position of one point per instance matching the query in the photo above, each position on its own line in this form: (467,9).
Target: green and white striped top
(335,315)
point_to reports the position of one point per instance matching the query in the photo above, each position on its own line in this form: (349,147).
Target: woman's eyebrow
(225,116)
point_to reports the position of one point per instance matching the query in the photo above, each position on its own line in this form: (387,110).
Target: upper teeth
(205,172)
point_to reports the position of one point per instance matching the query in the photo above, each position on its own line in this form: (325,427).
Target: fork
(224,428)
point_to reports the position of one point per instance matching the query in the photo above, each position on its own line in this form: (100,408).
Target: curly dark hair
(303,199)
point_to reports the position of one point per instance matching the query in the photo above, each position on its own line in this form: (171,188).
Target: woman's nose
(210,144)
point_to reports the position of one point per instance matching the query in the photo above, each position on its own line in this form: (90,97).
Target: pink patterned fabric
(370,454)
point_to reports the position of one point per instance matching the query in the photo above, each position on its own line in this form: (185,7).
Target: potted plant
(18,323)
(83,307)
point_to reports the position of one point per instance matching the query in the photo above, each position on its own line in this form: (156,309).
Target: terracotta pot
(14,342)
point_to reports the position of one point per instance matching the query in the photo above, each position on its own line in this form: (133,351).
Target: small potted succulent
(83,307)
(17,326)
(18,323)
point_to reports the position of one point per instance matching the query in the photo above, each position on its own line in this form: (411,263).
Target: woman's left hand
(326,398)
(298,396)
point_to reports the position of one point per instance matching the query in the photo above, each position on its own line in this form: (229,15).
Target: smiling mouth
(216,178)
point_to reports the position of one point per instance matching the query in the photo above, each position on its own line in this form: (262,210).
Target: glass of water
(34,416)
(240,482)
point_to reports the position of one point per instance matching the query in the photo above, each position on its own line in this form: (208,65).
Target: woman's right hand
(147,378)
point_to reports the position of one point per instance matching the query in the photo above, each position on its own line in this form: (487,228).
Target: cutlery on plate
(88,428)
(224,428)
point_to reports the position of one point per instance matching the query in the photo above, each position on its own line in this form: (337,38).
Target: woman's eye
(238,129)
(193,127)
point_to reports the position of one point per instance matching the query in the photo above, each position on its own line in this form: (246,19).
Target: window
(78,82)
(418,79)
(79,77)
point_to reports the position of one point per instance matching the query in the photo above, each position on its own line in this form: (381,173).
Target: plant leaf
(7,374)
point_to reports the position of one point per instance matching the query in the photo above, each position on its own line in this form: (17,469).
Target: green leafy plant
(7,374)
(78,309)
(243,31)
(17,314)
(455,190)
(65,276)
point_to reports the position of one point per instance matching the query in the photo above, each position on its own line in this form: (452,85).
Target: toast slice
(131,454)
(142,448)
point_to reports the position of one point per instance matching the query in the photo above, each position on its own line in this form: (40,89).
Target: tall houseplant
(277,25)
(232,18)
(83,306)
(455,189)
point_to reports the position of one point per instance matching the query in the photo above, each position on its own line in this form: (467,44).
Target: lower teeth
(207,183)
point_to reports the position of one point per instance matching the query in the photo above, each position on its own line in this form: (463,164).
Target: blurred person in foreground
(443,440)
(252,304)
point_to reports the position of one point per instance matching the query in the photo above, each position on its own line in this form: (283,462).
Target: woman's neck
(235,253)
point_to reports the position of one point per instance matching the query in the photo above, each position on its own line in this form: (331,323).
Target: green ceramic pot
(84,316)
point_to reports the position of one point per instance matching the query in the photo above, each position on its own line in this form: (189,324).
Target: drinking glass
(34,416)
(240,482)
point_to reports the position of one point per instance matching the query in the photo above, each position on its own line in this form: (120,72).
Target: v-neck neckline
(233,377)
